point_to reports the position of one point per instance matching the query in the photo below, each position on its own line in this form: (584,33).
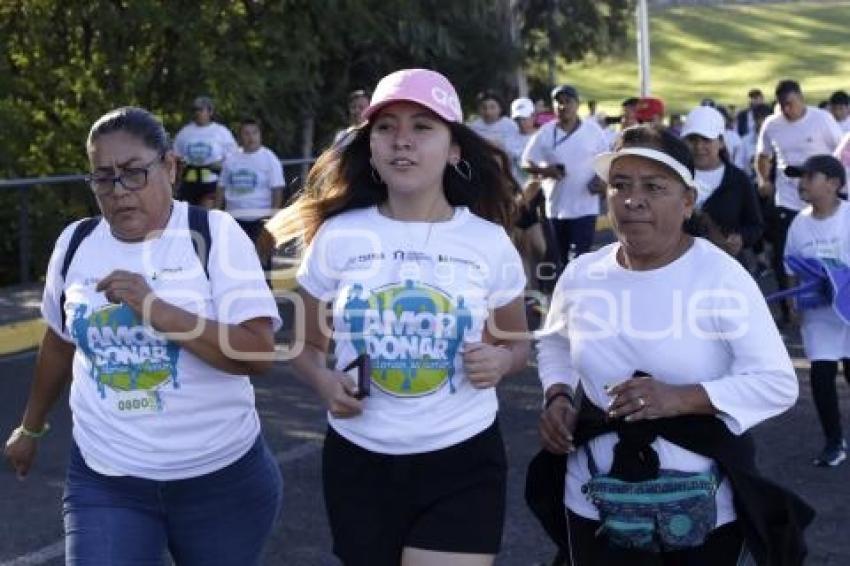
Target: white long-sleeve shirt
(698,320)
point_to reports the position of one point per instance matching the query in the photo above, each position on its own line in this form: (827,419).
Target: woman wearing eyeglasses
(167,450)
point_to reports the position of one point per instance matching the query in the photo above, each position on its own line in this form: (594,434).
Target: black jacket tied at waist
(772,519)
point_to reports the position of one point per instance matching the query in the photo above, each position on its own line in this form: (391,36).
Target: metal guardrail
(24,184)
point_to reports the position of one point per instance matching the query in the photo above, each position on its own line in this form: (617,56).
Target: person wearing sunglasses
(167,450)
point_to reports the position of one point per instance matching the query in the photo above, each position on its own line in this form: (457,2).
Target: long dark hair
(342,179)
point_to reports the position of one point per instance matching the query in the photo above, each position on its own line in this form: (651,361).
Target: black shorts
(194,193)
(252,227)
(449,500)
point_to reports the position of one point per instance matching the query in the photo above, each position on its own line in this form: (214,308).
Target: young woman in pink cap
(405,239)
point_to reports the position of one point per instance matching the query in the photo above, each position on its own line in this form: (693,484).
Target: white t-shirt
(569,197)
(792,143)
(733,143)
(842,154)
(248,180)
(845,125)
(142,405)
(499,132)
(707,183)
(700,319)
(410,294)
(748,154)
(825,336)
(515,147)
(203,145)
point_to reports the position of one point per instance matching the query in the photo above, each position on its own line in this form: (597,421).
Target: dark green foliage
(66,62)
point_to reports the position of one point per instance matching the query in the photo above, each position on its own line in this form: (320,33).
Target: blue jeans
(222,518)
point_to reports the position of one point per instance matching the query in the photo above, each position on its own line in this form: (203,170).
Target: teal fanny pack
(673,511)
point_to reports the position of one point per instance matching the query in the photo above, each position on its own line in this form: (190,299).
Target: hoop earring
(464,169)
(375,176)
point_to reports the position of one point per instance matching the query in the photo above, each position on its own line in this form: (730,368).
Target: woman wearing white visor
(677,355)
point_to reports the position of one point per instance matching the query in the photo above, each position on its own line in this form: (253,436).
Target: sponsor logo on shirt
(243,181)
(199,152)
(363,261)
(126,356)
(412,333)
(400,255)
(450,259)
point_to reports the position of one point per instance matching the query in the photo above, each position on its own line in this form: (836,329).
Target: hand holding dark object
(558,421)
(364,375)
(125,287)
(644,397)
(339,392)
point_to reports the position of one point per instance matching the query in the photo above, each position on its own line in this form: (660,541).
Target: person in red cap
(649,109)
(405,233)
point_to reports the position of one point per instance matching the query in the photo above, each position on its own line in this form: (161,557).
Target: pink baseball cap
(422,86)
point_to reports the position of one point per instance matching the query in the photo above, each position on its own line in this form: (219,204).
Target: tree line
(289,63)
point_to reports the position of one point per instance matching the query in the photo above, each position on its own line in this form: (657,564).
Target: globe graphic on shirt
(125,355)
(198,152)
(412,333)
(242,181)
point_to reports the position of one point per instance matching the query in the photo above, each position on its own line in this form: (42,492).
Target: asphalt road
(30,522)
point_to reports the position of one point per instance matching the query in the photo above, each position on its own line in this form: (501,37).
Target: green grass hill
(722,52)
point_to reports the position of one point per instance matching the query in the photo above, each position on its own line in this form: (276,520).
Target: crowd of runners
(426,241)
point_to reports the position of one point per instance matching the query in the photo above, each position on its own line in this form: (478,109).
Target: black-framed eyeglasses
(132,179)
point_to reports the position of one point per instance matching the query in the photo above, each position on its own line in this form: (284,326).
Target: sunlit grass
(722,52)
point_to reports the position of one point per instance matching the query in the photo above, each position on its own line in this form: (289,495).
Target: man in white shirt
(562,152)
(200,147)
(839,106)
(789,137)
(251,184)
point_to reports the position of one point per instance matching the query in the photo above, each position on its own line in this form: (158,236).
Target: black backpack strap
(81,232)
(199,226)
